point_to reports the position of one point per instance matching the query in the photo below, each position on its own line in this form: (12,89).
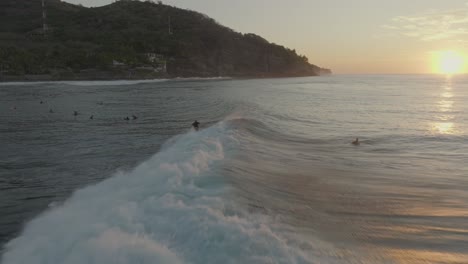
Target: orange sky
(359,36)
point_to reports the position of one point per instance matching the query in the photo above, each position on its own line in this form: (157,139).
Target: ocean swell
(173,208)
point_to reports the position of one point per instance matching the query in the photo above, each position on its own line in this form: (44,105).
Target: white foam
(86,83)
(112,82)
(21,83)
(170,209)
(219,78)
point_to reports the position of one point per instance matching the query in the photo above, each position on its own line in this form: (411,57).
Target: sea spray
(169,209)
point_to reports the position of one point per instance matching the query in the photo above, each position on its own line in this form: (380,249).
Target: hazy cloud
(433,25)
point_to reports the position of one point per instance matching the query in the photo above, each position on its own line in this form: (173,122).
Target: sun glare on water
(448,62)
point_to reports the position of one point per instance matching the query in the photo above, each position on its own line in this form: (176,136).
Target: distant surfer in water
(356,142)
(196,125)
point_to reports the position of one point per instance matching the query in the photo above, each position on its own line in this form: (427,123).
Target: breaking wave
(173,208)
(86,83)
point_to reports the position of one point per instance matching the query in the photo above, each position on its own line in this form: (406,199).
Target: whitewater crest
(85,83)
(173,208)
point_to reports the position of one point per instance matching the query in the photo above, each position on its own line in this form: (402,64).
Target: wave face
(169,209)
(271,177)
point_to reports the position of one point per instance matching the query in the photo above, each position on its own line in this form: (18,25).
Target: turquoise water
(270,178)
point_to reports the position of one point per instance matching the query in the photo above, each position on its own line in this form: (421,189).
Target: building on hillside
(118,64)
(154,57)
(157,61)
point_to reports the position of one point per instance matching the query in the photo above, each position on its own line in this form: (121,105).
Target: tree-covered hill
(129,35)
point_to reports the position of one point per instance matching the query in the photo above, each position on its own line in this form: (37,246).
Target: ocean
(270,177)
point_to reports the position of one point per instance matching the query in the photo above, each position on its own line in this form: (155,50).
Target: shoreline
(76,77)
(47,78)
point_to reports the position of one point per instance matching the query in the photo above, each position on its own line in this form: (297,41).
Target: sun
(448,62)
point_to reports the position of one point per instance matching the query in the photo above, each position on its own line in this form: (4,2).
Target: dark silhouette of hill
(134,37)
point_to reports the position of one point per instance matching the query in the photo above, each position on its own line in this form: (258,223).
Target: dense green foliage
(92,38)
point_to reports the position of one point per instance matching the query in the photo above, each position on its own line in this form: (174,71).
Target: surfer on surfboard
(195,125)
(356,142)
